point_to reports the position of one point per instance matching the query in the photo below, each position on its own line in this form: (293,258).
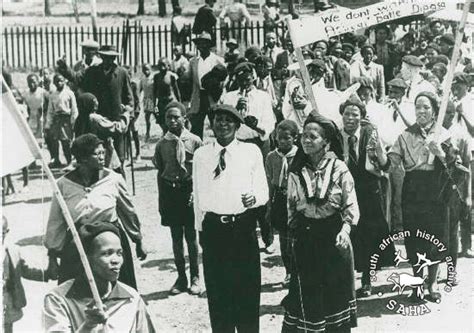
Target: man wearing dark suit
(205,19)
(199,66)
(110,84)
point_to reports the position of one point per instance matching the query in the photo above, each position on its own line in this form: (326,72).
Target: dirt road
(28,212)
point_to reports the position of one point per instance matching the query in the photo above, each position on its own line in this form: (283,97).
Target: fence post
(47,47)
(166,41)
(153,37)
(159,42)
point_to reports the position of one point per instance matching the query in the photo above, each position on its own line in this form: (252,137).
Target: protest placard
(341,20)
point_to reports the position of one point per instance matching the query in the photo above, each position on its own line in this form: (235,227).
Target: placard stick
(304,73)
(450,74)
(33,144)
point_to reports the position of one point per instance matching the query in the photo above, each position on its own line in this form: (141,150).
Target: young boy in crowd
(146,88)
(165,89)
(276,165)
(62,113)
(14,268)
(34,99)
(173,159)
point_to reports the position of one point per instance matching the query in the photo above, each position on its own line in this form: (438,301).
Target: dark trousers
(466,228)
(187,232)
(231,261)
(197,119)
(54,149)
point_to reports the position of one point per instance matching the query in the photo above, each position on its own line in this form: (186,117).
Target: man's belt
(228,218)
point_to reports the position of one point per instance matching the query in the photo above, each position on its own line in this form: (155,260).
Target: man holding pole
(70,306)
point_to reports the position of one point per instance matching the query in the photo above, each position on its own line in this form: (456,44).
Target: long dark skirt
(423,214)
(70,266)
(321,295)
(372,228)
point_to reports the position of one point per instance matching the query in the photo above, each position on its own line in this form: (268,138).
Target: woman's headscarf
(332,135)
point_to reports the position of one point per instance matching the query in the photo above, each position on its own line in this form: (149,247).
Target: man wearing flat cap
(229,183)
(446,45)
(110,84)
(70,307)
(199,66)
(396,116)
(410,73)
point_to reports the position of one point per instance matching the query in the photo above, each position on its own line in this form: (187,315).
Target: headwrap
(88,232)
(332,135)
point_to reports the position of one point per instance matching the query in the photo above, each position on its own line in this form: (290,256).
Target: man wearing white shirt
(255,107)
(271,49)
(410,73)
(229,182)
(296,105)
(198,67)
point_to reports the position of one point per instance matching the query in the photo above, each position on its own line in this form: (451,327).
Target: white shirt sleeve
(198,213)
(259,179)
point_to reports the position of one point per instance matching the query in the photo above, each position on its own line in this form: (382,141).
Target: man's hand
(52,271)
(140,250)
(343,239)
(242,104)
(94,316)
(251,121)
(191,200)
(248,200)
(435,149)
(61,62)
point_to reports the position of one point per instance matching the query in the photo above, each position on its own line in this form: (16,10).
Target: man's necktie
(352,163)
(221,164)
(395,115)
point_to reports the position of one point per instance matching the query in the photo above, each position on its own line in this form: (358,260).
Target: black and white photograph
(237,166)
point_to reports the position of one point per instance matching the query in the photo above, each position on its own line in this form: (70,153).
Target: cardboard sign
(341,20)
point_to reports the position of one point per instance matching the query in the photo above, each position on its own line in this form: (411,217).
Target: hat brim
(197,39)
(109,53)
(236,116)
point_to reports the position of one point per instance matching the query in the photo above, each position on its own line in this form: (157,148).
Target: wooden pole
(304,73)
(33,144)
(452,67)
(94,18)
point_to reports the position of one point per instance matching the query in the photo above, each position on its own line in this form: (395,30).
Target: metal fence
(38,47)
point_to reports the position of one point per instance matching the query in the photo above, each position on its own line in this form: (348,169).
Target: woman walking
(322,209)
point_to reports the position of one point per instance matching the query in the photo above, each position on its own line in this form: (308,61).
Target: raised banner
(340,20)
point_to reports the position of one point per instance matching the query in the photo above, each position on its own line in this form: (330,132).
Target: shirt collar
(229,148)
(81,289)
(209,57)
(346,135)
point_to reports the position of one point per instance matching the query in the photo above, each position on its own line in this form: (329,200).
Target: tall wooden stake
(33,144)
(304,74)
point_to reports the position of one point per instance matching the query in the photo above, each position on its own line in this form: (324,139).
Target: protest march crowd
(243,146)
